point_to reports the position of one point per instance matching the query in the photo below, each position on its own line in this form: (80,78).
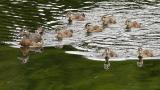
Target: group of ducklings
(106,20)
(35,39)
(30,42)
(142,53)
(30,39)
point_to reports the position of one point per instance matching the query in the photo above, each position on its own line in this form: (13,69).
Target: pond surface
(16,14)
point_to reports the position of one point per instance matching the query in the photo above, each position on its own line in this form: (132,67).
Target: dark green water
(14,14)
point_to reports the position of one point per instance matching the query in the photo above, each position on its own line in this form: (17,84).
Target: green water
(15,14)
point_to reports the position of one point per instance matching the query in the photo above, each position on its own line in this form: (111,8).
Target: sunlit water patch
(124,43)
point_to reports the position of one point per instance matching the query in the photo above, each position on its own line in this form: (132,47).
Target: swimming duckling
(40,30)
(129,24)
(75,16)
(35,37)
(93,28)
(30,38)
(64,34)
(26,42)
(60,27)
(145,53)
(108,53)
(108,20)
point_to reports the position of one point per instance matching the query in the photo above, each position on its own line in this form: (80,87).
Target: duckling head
(140,50)
(69,14)
(59,28)
(127,22)
(70,20)
(107,50)
(24,33)
(40,30)
(87,25)
(71,31)
(103,17)
(128,25)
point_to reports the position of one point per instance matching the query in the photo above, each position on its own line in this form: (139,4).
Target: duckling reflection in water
(77,16)
(108,53)
(25,52)
(141,54)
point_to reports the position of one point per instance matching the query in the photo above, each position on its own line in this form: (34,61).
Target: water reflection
(25,53)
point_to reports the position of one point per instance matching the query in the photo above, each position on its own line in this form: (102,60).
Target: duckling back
(25,42)
(148,53)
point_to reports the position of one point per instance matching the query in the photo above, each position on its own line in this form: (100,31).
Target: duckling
(109,53)
(60,27)
(25,42)
(35,37)
(40,30)
(132,24)
(108,20)
(75,16)
(64,34)
(93,28)
(145,53)
(30,38)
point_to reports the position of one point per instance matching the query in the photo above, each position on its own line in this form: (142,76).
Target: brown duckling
(132,24)
(93,28)
(40,30)
(145,53)
(25,42)
(109,53)
(30,38)
(35,37)
(108,20)
(75,16)
(64,34)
